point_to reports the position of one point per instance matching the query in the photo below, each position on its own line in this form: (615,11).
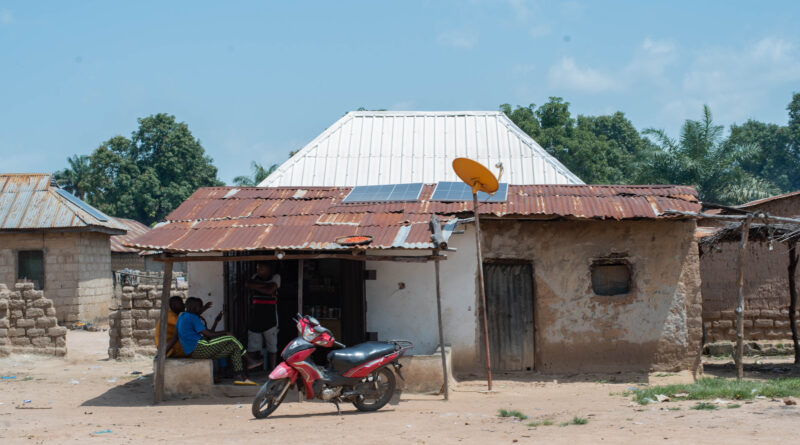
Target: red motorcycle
(359,374)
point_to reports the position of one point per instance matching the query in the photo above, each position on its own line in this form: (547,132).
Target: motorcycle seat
(342,360)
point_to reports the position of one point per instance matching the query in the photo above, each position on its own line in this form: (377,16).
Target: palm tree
(704,159)
(259,174)
(75,178)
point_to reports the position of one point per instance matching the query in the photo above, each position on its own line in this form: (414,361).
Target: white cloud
(568,75)
(540,30)
(463,39)
(6,17)
(735,81)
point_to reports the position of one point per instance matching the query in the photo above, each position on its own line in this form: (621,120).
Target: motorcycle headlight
(309,334)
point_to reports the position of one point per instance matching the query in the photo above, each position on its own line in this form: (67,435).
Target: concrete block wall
(28,323)
(77,270)
(95,284)
(132,325)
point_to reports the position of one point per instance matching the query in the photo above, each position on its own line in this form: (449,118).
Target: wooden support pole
(740,302)
(441,332)
(793,258)
(300,306)
(482,291)
(158,384)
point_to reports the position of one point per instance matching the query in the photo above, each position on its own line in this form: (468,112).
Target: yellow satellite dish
(475,175)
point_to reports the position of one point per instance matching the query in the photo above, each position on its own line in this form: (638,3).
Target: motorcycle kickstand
(338,410)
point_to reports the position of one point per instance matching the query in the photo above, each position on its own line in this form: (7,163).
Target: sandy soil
(86,398)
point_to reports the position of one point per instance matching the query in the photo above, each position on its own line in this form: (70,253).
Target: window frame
(611,261)
(20,254)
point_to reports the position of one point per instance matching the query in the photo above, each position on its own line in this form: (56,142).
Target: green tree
(598,149)
(701,157)
(75,178)
(259,174)
(150,174)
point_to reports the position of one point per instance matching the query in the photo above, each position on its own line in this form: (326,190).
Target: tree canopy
(755,160)
(143,177)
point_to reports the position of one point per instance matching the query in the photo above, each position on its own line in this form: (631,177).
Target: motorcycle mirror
(313,321)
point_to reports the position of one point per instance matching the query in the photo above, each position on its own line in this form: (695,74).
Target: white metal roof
(393,147)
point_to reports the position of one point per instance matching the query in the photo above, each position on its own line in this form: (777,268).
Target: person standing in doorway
(262,329)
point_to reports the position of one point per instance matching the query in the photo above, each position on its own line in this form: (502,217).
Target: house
(579,278)
(58,242)
(124,257)
(127,258)
(766,283)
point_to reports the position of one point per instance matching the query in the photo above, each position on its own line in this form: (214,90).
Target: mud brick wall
(132,324)
(28,323)
(759,324)
(766,292)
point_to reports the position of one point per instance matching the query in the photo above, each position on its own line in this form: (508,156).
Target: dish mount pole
(482,289)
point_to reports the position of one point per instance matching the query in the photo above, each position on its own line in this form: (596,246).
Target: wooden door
(509,301)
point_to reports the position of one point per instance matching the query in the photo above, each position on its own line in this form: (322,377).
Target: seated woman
(199,342)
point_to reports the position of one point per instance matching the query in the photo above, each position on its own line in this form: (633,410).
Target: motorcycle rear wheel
(269,397)
(384,383)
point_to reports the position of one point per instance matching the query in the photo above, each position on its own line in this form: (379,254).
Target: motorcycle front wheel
(269,397)
(378,392)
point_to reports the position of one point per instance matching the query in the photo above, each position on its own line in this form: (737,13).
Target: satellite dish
(475,175)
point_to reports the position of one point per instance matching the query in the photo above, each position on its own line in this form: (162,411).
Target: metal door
(509,299)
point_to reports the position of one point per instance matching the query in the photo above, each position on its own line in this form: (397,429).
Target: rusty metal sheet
(29,202)
(252,218)
(134,228)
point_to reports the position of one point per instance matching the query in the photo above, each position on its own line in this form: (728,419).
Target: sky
(255,80)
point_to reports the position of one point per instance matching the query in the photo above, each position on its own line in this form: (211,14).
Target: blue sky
(254,80)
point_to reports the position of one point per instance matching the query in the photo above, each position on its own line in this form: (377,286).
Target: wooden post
(793,258)
(299,307)
(482,290)
(441,330)
(739,356)
(158,384)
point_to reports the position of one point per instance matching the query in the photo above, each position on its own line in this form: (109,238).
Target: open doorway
(332,291)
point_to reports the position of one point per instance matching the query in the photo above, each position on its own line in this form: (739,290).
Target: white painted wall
(410,313)
(206,281)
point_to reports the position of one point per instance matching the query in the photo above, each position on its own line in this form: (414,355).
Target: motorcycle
(358,374)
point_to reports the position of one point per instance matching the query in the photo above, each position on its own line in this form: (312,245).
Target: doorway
(332,291)
(509,301)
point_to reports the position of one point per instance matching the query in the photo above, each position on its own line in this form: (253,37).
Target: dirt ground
(85,398)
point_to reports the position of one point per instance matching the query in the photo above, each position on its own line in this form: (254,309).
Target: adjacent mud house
(58,242)
(766,283)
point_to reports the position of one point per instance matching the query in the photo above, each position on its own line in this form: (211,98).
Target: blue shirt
(189,327)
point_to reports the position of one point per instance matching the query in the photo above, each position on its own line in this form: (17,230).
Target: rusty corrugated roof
(29,202)
(310,218)
(134,228)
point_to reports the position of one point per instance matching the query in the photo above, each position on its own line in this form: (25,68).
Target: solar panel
(86,207)
(384,193)
(458,191)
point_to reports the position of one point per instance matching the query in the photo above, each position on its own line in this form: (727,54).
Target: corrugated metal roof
(134,228)
(29,202)
(228,219)
(769,199)
(393,147)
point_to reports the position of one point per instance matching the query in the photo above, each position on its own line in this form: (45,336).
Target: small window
(611,277)
(30,267)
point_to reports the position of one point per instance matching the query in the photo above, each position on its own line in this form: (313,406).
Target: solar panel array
(86,207)
(384,193)
(459,191)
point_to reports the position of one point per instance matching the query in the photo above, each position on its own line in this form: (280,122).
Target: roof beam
(321,256)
